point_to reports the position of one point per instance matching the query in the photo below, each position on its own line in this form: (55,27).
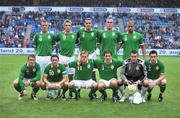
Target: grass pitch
(10,107)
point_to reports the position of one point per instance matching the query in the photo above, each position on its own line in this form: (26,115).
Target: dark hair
(134,52)
(87,19)
(54,56)
(67,21)
(32,56)
(107,51)
(153,52)
(44,21)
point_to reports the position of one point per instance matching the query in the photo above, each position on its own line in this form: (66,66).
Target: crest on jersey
(40,39)
(112,66)
(58,71)
(34,69)
(157,67)
(49,37)
(92,34)
(51,72)
(137,67)
(134,37)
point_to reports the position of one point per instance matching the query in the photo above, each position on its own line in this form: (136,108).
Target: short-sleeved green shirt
(107,71)
(154,70)
(67,43)
(55,74)
(44,43)
(82,72)
(130,43)
(31,73)
(108,41)
(87,40)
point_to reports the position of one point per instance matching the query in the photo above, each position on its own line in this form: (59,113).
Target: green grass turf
(10,107)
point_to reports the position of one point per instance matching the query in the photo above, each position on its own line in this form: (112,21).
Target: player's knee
(71,85)
(120,81)
(163,82)
(113,83)
(15,82)
(43,86)
(101,86)
(38,83)
(145,82)
(66,84)
(94,86)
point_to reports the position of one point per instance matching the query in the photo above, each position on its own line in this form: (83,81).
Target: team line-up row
(74,74)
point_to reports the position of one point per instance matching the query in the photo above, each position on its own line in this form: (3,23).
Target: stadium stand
(94,3)
(159,30)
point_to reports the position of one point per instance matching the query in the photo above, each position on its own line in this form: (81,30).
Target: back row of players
(59,70)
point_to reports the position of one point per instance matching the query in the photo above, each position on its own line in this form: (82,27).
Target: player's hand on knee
(152,85)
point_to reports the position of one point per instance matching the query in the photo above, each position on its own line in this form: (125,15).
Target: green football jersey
(82,72)
(67,43)
(31,73)
(154,70)
(55,74)
(107,71)
(130,43)
(44,43)
(108,41)
(87,40)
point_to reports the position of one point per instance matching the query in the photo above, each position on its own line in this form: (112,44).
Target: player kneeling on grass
(29,76)
(134,72)
(107,68)
(55,77)
(83,79)
(155,74)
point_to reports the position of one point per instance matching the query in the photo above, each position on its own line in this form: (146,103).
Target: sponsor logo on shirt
(88,66)
(34,69)
(157,67)
(58,71)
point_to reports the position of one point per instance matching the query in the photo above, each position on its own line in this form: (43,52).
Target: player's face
(153,58)
(84,58)
(134,58)
(67,27)
(109,24)
(130,27)
(88,24)
(44,27)
(31,61)
(108,57)
(54,61)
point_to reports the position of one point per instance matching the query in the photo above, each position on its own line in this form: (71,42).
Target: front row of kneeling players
(55,77)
